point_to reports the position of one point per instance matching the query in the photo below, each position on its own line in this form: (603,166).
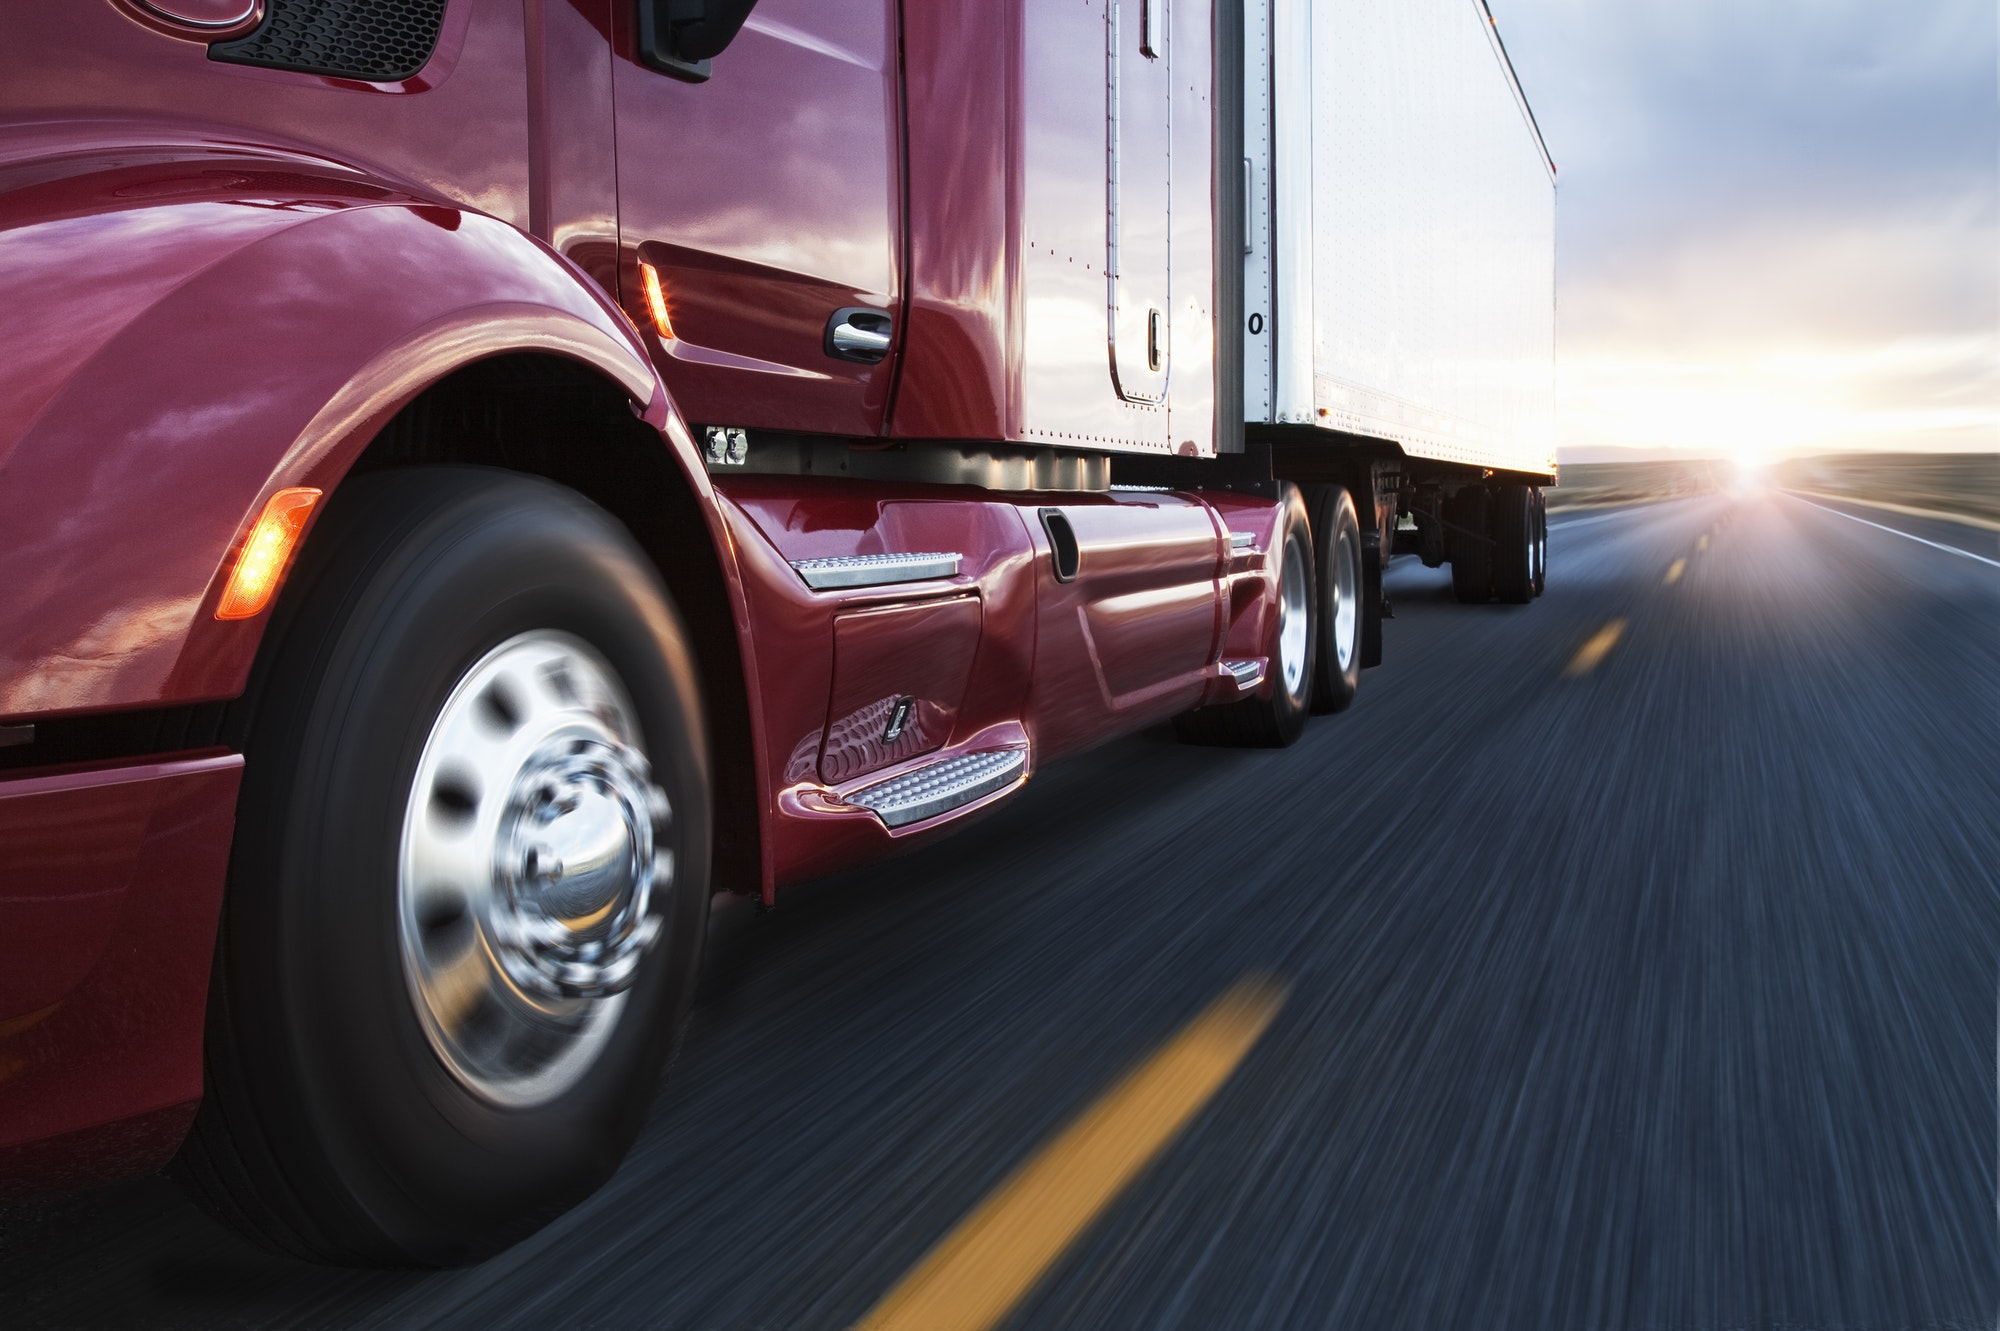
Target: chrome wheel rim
(534,868)
(1293,620)
(1539,548)
(1346,608)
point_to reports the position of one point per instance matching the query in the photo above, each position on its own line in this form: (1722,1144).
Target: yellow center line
(1702,542)
(1591,653)
(1679,567)
(996,1255)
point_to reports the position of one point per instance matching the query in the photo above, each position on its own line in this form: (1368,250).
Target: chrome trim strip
(875,570)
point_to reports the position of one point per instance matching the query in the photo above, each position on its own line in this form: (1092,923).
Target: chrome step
(941,787)
(1249,674)
(1243,540)
(875,570)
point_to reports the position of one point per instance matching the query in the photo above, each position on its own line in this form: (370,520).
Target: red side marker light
(260,564)
(656,300)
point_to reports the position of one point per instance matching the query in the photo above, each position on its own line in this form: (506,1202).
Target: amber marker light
(656,300)
(260,564)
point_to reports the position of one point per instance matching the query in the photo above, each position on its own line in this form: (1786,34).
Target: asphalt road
(1660,994)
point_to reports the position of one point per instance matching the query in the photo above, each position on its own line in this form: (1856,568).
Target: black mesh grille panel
(382,41)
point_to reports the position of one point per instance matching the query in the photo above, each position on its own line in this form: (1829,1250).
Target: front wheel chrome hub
(575,868)
(535,866)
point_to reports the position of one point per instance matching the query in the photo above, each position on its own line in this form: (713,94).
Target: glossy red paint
(200,312)
(203,311)
(572,144)
(1250,587)
(1132,640)
(111,882)
(900,667)
(962,79)
(775,520)
(769,197)
(75,71)
(213,272)
(1059,666)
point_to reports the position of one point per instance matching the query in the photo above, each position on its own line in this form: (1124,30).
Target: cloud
(1779,221)
(1927,394)
(1820,278)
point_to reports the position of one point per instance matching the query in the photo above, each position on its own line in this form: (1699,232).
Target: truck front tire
(469,884)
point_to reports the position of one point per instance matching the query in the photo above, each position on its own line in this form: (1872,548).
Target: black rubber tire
(1513,526)
(1541,542)
(1278,718)
(1336,535)
(329,1127)
(1471,551)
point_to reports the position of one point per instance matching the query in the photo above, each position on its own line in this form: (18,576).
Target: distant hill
(1633,482)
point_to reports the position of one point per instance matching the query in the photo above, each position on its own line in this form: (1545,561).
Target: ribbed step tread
(876,570)
(1249,674)
(942,786)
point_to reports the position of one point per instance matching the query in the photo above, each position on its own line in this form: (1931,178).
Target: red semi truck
(478,477)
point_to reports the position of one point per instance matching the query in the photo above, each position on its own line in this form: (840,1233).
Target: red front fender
(187,336)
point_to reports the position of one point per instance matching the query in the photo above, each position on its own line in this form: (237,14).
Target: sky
(1778,221)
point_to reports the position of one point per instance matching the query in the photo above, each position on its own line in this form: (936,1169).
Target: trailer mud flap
(1371,598)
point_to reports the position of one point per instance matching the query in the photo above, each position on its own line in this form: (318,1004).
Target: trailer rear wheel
(1336,530)
(1279,717)
(1469,539)
(469,884)
(1541,542)
(1514,542)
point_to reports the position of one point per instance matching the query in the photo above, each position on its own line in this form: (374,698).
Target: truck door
(767,198)
(1139,180)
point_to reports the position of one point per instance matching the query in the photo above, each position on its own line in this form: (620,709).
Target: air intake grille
(381,41)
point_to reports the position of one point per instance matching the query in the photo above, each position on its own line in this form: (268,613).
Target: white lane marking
(1935,545)
(1935,515)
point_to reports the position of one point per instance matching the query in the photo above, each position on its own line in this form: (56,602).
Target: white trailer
(1399,255)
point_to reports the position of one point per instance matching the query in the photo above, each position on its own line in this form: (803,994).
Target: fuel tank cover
(208,18)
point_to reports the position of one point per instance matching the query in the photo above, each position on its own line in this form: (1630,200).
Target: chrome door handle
(858,334)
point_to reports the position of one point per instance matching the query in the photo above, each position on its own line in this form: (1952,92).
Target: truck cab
(480,479)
